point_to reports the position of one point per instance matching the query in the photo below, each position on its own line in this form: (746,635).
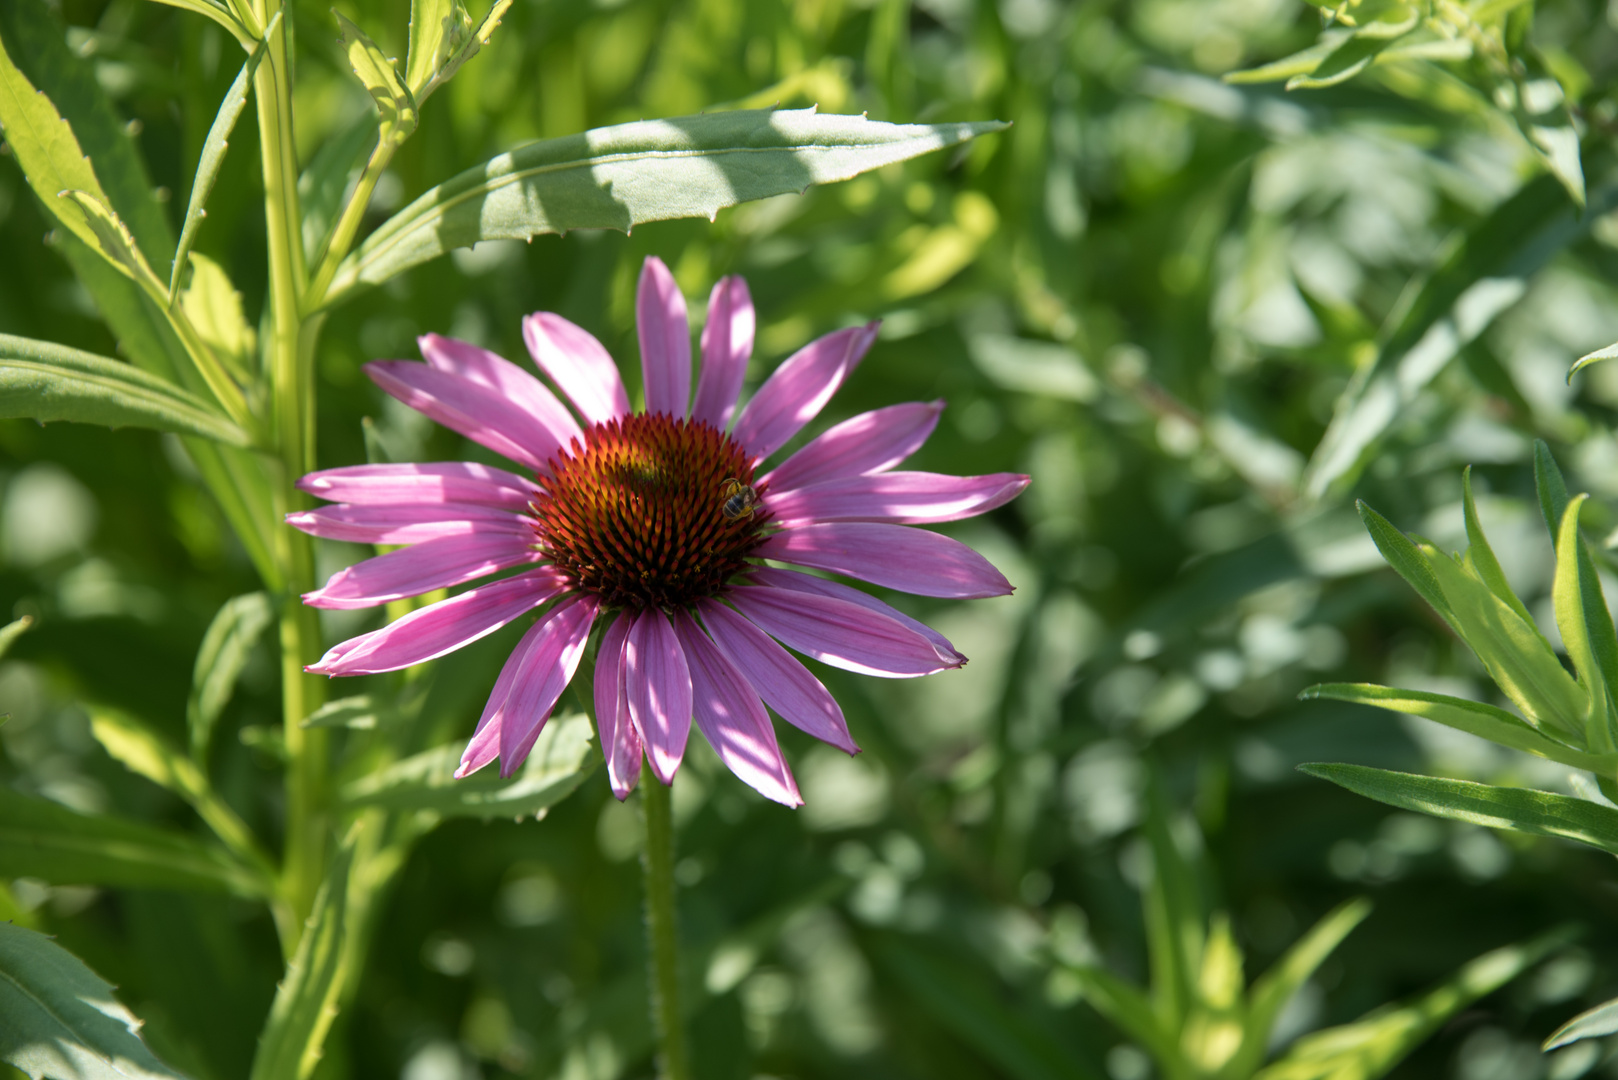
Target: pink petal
(511,382)
(727,343)
(547,668)
(867,443)
(432,631)
(577,363)
(732,718)
(439,482)
(838,632)
(658,685)
(429,565)
(800,388)
(620,746)
(665,340)
(910,560)
(792,579)
(800,698)
(471,408)
(907,498)
(406,524)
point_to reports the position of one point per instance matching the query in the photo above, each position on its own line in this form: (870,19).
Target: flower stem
(662,933)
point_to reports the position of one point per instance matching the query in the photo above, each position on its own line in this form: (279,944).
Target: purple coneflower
(656,523)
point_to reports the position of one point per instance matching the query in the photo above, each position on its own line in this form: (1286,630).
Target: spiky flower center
(638,515)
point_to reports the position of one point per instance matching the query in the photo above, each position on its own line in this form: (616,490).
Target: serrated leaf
(1590,1024)
(12,631)
(650,170)
(395,104)
(113,239)
(62,1021)
(43,381)
(359,713)
(213,157)
(43,839)
(1524,810)
(1475,718)
(220,659)
(558,763)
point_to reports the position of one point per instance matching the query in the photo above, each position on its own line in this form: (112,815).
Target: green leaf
(650,170)
(468,47)
(322,187)
(43,839)
(1131,1011)
(359,713)
(1486,273)
(1407,559)
(395,104)
(213,156)
(1299,63)
(1352,56)
(218,13)
(307,1000)
(42,381)
(12,631)
(62,1020)
(1551,488)
(1213,1032)
(1371,1046)
(1592,358)
(1174,915)
(1276,987)
(438,28)
(558,763)
(113,240)
(1475,718)
(1482,555)
(1590,1024)
(225,647)
(1587,631)
(1524,810)
(214,308)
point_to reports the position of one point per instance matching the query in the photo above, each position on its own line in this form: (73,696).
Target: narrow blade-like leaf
(220,659)
(1551,488)
(1407,559)
(113,239)
(1127,1008)
(1174,915)
(1482,555)
(1587,631)
(359,713)
(1590,1024)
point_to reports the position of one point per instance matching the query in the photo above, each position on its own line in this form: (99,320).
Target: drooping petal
(421,568)
(864,444)
(657,683)
(620,745)
(430,632)
(470,408)
(808,583)
(901,498)
(438,482)
(665,340)
(838,632)
(799,389)
(727,343)
(578,364)
(506,379)
(406,524)
(547,668)
(786,685)
(897,556)
(732,718)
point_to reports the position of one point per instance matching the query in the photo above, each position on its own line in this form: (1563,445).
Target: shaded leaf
(324,185)
(650,170)
(62,1020)
(359,712)
(225,647)
(1539,813)
(1551,489)
(214,308)
(1590,1024)
(1174,915)
(1129,1009)
(558,763)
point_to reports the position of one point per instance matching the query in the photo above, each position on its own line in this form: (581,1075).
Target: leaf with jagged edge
(61,1020)
(651,170)
(238,624)
(114,241)
(395,104)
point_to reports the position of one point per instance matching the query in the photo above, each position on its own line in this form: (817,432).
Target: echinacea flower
(657,524)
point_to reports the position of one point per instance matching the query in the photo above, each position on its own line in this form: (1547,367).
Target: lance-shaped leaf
(1524,810)
(46,840)
(61,1020)
(1590,1024)
(218,13)
(1129,1009)
(12,631)
(395,104)
(1485,274)
(650,170)
(1592,358)
(559,762)
(1407,559)
(1480,556)
(1551,489)
(1357,53)
(220,659)
(213,157)
(1473,717)
(464,49)
(360,713)
(1587,631)
(44,381)
(112,238)
(1174,916)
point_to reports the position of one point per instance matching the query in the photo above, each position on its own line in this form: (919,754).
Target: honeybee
(741,501)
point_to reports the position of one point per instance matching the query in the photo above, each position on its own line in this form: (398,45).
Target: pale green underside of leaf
(1525,810)
(43,381)
(58,1019)
(42,839)
(1590,1024)
(558,763)
(650,170)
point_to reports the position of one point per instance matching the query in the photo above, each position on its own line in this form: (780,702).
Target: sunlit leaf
(62,1020)
(13,630)
(214,308)
(1407,559)
(217,12)
(1586,626)
(112,238)
(1481,555)
(359,713)
(442,40)
(220,659)
(395,104)
(1590,1024)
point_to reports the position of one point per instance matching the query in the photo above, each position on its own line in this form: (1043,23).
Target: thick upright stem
(662,931)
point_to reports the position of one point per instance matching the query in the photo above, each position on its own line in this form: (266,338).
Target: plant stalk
(662,931)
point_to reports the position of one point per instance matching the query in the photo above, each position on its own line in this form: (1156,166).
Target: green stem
(662,932)
(348,223)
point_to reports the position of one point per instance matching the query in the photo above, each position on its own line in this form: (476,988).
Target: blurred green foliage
(1154,293)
